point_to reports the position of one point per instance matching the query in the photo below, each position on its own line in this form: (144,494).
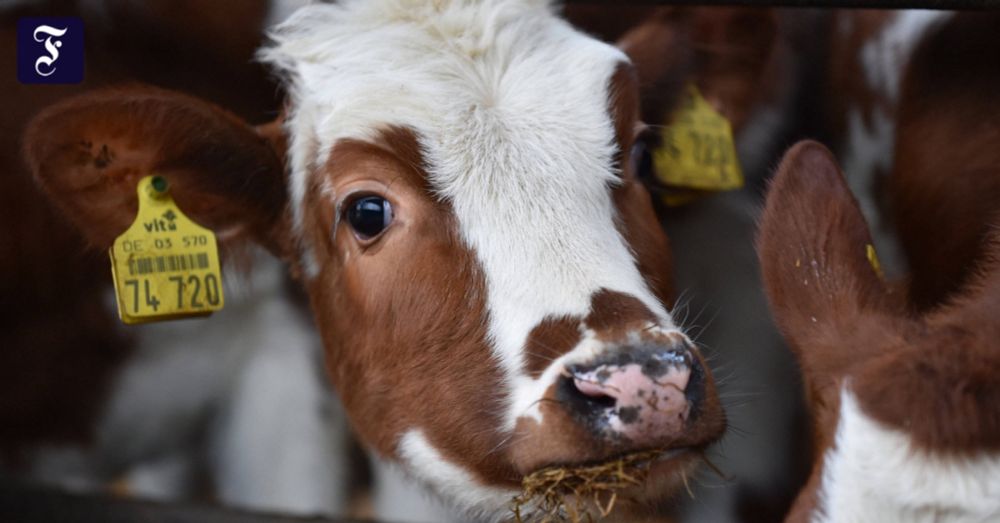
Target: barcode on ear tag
(164,266)
(697,154)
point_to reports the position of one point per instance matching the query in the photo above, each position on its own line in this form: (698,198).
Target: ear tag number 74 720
(164,266)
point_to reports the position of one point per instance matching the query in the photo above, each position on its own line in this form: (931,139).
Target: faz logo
(162,225)
(50,50)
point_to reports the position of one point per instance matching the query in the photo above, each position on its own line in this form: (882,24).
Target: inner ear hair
(813,244)
(88,152)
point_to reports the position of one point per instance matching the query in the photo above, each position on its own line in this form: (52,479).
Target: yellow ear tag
(873,260)
(697,153)
(165,266)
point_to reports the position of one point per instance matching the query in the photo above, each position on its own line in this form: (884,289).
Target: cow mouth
(588,492)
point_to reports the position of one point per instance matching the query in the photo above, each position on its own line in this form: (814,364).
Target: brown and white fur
(522,259)
(712,48)
(905,408)
(757,67)
(175,409)
(869,50)
(945,185)
(903,379)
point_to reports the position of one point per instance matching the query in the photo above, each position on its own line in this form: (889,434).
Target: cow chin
(466,491)
(667,476)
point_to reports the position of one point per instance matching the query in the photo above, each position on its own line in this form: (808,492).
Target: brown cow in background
(902,376)
(84,400)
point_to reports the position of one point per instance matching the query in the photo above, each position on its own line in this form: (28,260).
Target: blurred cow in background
(868,51)
(172,410)
(906,407)
(903,376)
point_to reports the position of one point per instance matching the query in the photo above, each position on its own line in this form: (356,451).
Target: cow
(905,407)
(868,51)
(484,267)
(170,410)
(902,378)
(755,79)
(945,183)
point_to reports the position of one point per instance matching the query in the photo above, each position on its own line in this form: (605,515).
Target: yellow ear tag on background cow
(164,266)
(873,260)
(697,153)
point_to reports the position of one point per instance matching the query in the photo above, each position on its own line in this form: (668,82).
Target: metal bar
(26,503)
(869,4)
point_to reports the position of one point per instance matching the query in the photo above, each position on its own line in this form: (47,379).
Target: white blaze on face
(527,166)
(511,107)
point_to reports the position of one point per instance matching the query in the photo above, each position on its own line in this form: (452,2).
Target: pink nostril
(630,383)
(641,402)
(597,395)
(592,389)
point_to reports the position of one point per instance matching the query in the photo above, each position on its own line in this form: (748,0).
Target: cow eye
(642,160)
(369,216)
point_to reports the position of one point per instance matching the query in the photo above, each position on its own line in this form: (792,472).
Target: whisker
(713,467)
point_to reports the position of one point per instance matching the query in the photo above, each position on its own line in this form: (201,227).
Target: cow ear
(818,265)
(89,152)
(723,51)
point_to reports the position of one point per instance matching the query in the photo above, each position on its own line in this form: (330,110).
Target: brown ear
(724,51)
(89,152)
(813,247)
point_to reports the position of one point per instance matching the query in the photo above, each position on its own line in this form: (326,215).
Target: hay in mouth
(563,493)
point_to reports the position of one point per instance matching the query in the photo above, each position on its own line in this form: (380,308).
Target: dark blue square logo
(50,50)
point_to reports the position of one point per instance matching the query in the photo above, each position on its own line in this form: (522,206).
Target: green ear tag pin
(165,266)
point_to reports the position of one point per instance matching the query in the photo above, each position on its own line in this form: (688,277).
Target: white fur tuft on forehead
(355,67)
(358,66)
(511,108)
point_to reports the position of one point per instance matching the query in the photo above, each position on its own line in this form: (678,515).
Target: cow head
(460,203)
(906,409)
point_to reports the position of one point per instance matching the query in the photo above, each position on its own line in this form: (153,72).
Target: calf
(168,407)
(868,51)
(906,408)
(904,382)
(945,185)
(754,79)
(484,267)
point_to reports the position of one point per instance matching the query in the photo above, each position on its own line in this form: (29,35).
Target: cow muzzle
(644,395)
(651,393)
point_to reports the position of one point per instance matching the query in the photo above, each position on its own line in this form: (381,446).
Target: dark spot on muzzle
(628,414)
